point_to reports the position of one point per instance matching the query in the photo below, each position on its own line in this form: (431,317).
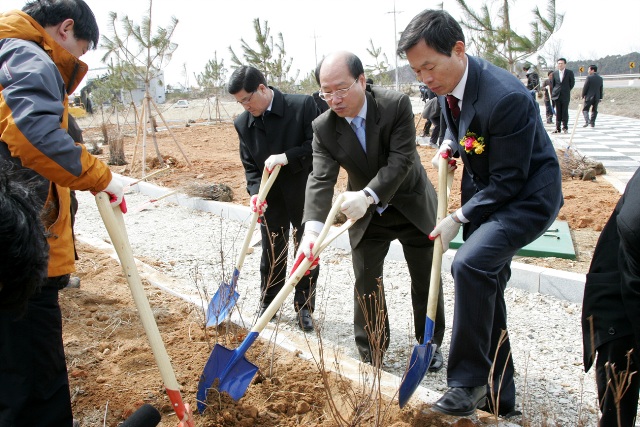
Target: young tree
(380,67)
(498,42)
(107,91)
(212,80)
(142,55)
(268,57)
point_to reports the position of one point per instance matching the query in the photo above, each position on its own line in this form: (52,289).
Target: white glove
(445,151)
(257,207)
(115,190)
(354,205)
(274,160)
(447,229)
(306,244)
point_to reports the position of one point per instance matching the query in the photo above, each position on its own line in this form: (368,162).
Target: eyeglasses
(340,93)
(248,100)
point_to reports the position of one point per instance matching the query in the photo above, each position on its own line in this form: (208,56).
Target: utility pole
(395,43)
(315,46)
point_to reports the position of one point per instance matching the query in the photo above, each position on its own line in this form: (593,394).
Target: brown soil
(112,370)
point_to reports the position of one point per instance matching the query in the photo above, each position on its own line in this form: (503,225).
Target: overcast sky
(591,29)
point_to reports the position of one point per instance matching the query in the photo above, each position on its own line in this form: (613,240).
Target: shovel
(114,223)
(423,353)
(230,367)
(148,204)
(226,296)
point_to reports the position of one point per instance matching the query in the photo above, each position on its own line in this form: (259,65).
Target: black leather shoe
(556,131)
(565,130)
(263,308)
(305,321)
(585,125)
(436,362)
(504,411)
(593,124)
(461,401)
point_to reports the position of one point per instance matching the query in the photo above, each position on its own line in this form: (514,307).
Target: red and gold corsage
(472,143)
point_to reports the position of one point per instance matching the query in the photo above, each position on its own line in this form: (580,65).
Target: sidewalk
(560,284)
(614,141)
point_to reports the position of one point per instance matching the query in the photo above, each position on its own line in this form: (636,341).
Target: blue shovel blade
(416,369)
(221,304)
(234,374)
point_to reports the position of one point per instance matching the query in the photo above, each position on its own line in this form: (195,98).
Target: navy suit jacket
(285,129)
(517,177)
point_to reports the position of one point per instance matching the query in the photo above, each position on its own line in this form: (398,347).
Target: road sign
(632,64)
(581,69)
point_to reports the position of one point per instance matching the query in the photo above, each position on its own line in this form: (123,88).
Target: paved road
(614,141)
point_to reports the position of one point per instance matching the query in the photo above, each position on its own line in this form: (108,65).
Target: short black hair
(550,72)
(24,251)
(594,68)
(247,78)
(53,12)
(439,30)
(526,67)
(562,59)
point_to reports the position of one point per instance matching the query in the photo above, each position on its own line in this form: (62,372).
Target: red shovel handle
(180,408)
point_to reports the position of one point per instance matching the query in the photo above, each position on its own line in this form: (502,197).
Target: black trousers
(562,114)
(368,262)
(615,352)
(34,387)
(593,106)
(273,268)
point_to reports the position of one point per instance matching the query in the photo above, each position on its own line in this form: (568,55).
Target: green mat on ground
(556,242)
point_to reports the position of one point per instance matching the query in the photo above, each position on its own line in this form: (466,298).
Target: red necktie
(453,106)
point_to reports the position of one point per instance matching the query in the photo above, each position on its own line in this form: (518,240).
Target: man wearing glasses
(275,129)
(372,136)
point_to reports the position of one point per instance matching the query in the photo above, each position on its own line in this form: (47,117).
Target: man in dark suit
(611,308)
(511,194)
(562,82)
(592,93)
(388,194)
(275,130)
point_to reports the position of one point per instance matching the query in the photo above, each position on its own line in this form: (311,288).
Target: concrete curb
(557,283)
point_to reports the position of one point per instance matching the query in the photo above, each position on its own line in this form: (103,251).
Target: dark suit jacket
(285,129)
(612,289)
(562,90)
(593,90)
(519,163)
(391,167)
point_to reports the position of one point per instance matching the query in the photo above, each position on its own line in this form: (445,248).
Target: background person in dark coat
(592,94)
(511,194)
(546,88)
(562,82)
(275,130)
(611,306)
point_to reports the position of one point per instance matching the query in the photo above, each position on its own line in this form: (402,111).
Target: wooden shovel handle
(303,264)
(445,179)
(114,223)
(265,185)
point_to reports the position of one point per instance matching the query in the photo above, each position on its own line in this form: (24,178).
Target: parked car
(182,103)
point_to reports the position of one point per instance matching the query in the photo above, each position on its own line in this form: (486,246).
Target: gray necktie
(358,126)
